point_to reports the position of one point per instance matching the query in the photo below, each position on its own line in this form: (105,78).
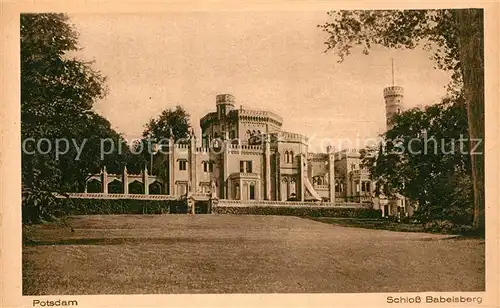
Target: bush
(447,227)
(301,211)
(70,206)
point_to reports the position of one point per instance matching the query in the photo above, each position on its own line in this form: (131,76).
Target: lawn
(163,254)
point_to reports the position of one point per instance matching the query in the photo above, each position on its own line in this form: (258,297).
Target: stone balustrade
(267,203)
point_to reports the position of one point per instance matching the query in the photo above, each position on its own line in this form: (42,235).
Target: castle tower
(393,96)
(225,103)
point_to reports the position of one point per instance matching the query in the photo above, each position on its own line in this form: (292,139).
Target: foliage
(57,95)
(433,30)
(73,206)
(171,123)
(455,37)
(425,158)
(300,211)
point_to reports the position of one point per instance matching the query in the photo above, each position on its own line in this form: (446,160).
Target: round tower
(225,103)
(393,96)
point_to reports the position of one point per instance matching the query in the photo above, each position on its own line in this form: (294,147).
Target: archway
(136,187)
(94,186)
(115,187)
(155,188)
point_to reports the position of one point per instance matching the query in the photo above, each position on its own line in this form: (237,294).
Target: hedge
(74,206)
(301,211)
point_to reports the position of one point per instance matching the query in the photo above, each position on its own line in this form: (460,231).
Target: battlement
(245,147)
(259,116)
(317,156)
(393,91)
(347,153)
(287,136)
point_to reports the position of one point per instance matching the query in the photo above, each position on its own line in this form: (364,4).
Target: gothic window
(290,159)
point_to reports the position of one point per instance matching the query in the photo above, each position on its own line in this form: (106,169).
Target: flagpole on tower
(392,64)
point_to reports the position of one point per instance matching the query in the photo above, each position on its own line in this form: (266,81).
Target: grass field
(162,254)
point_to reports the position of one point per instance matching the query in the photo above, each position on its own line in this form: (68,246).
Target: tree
(456,38)
(424,157)
(171,123)
(57,94)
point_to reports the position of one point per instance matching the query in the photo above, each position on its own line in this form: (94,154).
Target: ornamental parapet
(267,203)
(116,196)
(258,116)
(290,137)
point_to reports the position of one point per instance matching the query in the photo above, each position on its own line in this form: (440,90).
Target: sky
(268,60)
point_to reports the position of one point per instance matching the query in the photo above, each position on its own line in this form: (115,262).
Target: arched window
(290,159)
(286,156)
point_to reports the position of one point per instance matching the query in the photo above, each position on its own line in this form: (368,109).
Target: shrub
(73,206)
(301,211)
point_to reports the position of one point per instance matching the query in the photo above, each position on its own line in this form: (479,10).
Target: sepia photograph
(320,151)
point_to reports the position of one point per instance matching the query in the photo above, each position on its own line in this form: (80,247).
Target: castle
(245,155)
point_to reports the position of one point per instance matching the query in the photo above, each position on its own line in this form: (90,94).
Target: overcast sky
(267,60)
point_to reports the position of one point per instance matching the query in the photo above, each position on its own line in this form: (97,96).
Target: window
(208,166)
(182,164)
(288,157)
(337,186)
(357,186)
(365,186)
(246,166)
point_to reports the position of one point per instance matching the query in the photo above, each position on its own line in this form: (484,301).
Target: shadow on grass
(133,241)
(389,225)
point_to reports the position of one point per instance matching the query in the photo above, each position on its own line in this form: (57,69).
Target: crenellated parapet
(290,137)
(353,153)
(317,157)
(258,116)
(393,91)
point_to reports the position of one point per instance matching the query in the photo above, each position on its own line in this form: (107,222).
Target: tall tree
(170,123)
(456,38)
(422,157)
(57,94)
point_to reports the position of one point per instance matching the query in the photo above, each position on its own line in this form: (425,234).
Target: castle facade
(245,155)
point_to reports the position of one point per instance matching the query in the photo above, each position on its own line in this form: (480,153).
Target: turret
(393,96)
(225,103)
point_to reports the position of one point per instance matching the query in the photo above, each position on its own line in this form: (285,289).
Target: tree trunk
(471,49)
